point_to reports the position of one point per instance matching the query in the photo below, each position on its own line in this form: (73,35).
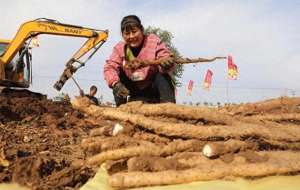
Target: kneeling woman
(152,83)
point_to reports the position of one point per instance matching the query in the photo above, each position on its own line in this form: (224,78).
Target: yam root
(113,130)
(111,143)
(215,149)
(283,104)
(171,148)
(235,131)
(101,131)
(137,63)
(278,145)
(113,166)
(278,163)
(208,115)
(285,118)
(148,163)
(123,153)
(151,137)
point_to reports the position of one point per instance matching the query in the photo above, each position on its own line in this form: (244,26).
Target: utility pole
(227,91)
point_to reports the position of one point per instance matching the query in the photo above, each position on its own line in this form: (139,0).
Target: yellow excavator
(15,54)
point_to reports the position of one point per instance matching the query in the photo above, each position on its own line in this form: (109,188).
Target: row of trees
(209,104)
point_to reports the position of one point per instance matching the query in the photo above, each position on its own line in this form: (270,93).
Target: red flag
(190,87)
(232,69)
(207,79)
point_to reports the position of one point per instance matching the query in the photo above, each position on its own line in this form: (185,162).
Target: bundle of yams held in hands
(166,61)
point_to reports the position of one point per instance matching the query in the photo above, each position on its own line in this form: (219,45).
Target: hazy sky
(262,36)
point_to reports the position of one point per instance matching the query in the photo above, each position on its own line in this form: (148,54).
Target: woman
(151,83)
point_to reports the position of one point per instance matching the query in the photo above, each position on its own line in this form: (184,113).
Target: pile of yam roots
(162,144)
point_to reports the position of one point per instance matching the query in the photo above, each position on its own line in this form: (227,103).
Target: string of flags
(232,74)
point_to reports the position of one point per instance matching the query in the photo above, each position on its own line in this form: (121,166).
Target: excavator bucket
(68,72)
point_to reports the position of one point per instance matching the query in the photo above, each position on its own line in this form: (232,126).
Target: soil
(41,139)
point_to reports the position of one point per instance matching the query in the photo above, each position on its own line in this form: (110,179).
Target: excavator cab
(18,70)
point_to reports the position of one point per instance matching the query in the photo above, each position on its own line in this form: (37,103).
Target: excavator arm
(28,30)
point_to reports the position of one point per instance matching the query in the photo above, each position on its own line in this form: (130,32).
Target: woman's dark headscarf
(130,21)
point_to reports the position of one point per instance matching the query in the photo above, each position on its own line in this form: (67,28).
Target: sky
(261,35)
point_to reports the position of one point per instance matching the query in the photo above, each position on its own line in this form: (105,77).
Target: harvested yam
(192,131)
(171,148)
(111,143)
(187,155)
(123,153)
(148,163)
(114,166)
(106,131)
(203,133)
(230,137)
(236,131)
(194,159)
(285,118)
(278,163)
(279,105)
(208,115)
(86,141)
(278,145)
(214,149)
(253,157)
(114,130)
(98,144)
(151,137)
(180,146)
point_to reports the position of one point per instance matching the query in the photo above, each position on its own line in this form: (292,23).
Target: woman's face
(134,37)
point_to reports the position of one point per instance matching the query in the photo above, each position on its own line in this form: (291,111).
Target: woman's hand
(120,90)
(166,63)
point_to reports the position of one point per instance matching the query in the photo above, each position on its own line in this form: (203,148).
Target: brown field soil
(40,141)
(50,145)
